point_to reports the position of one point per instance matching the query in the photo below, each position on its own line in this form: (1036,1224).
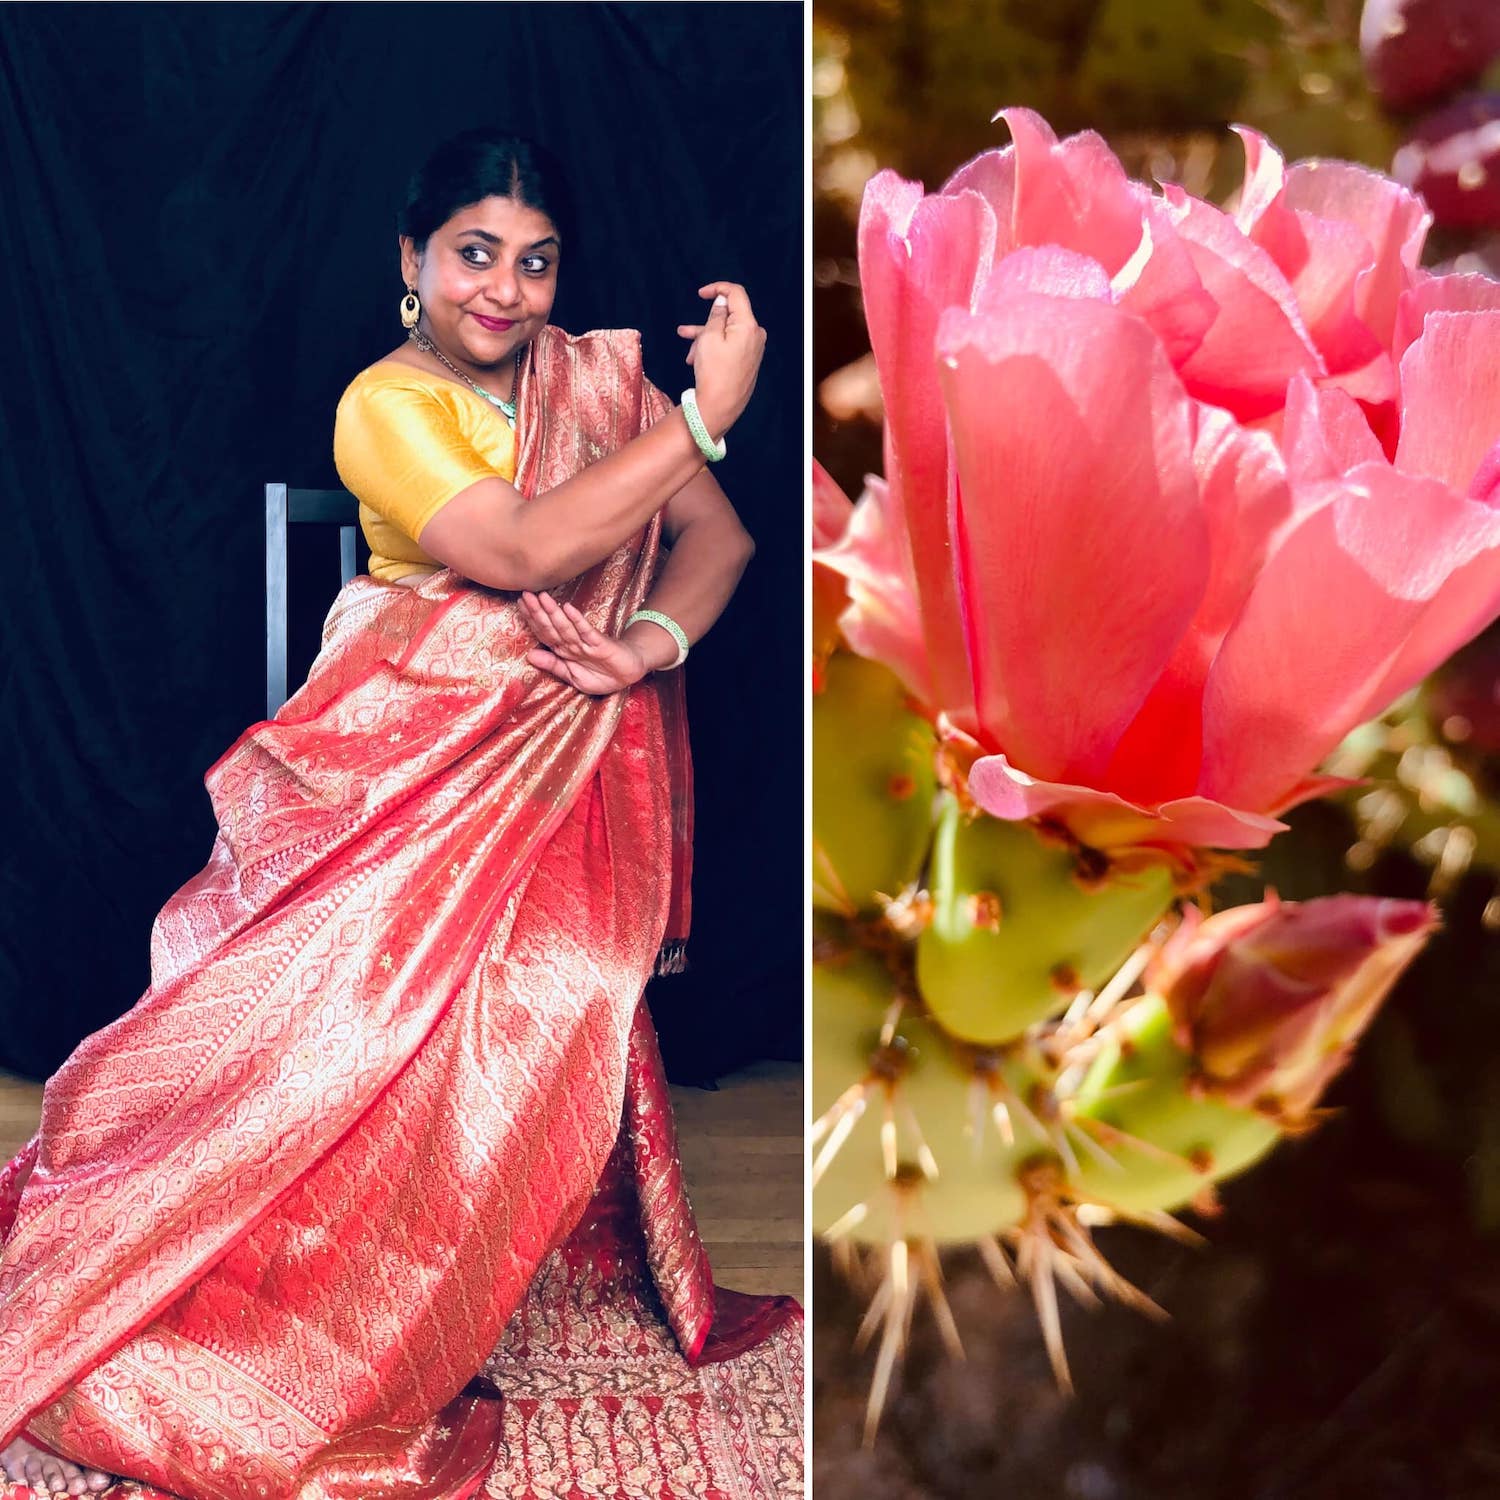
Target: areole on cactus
(1175,498)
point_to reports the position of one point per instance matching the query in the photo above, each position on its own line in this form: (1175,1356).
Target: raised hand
(574,652)
(725,355)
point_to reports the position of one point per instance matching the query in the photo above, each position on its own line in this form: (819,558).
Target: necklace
(507,408)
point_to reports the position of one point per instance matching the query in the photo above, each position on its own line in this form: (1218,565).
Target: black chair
(288,507)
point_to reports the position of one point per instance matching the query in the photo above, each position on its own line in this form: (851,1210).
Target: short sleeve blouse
(405,443)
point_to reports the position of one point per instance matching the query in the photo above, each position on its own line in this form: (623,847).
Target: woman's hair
(483,163)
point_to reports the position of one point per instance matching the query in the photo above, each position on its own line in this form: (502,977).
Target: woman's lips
(495,325)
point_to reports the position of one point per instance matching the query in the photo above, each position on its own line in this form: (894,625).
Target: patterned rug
(600,1404)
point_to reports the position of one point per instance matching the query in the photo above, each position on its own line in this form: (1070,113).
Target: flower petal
(1325,433)
(1374,587)
(1103,820)
(1450,396)
(1247,504)
(1458,292)
(917,256)
(1393,221)
(1045,269)
(881,619)
(831,508)
(1072,438)
(991,174)
(1322,258)
(1075,194)
(1257,341)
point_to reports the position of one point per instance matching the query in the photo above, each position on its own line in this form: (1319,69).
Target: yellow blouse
(405,443)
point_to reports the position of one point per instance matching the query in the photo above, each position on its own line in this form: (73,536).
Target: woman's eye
(479,257)
(534,265)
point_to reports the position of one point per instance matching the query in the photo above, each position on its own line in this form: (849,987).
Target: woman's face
(487,279)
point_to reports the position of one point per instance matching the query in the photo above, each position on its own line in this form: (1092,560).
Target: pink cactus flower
(1270,998)
(1174,497)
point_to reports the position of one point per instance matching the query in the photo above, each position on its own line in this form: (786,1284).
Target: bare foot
(48,1474)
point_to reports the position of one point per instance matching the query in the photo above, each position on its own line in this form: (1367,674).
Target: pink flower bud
(1270,998)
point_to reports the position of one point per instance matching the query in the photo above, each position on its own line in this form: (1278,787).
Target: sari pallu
(279,1213)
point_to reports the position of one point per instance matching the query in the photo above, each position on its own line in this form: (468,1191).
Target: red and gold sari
(278,1216)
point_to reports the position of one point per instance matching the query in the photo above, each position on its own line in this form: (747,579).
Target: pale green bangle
(668,624)
(711,450)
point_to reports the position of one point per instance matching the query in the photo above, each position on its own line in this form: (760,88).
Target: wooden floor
(20,1109)
(741,1148)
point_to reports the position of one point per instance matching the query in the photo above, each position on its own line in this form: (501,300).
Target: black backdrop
(196,222)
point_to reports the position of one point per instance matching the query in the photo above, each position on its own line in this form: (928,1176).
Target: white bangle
(667,623)
(711,450)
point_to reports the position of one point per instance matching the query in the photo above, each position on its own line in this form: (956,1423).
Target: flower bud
(1270,998)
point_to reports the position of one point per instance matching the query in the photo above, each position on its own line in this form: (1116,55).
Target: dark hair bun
(478,164)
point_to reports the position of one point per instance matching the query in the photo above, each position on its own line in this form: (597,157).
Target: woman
(277,1216)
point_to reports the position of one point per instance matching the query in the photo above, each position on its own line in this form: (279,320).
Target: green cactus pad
(873,785)
(1013,926)
(1139,1084)
(974,1193)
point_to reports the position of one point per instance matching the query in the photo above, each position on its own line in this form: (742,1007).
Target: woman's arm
(490,534)
(710,550)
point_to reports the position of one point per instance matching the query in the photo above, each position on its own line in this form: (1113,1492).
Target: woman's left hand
(572,650)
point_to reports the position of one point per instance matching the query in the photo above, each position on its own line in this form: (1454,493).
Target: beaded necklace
(507,408)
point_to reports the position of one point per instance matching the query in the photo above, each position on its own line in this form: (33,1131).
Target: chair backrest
(288,507)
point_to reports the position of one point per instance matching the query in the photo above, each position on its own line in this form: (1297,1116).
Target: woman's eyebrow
(494,239)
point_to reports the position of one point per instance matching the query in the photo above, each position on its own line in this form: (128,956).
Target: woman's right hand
(725,356)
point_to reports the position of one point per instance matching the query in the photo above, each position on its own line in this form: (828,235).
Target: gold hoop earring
(411,308)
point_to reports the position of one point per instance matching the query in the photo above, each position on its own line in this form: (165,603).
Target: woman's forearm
(569,529)
(695,584)
(492,534)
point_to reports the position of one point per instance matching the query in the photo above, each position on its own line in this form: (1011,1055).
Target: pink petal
(1075,194)
(1083,549)
(1168,292)
(918,256)
(1041,195)
(881,620)
(1247,504)
(1103,820)
(1453,293)
(1329,289)
(1375,586)
(991,174)
(1393,221)
(831,508)
(1311,787)
(1260,213)
(1325,433)
(1485,485)
(1257,341)
(1450,393)
(1047,270)
(1328,260)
